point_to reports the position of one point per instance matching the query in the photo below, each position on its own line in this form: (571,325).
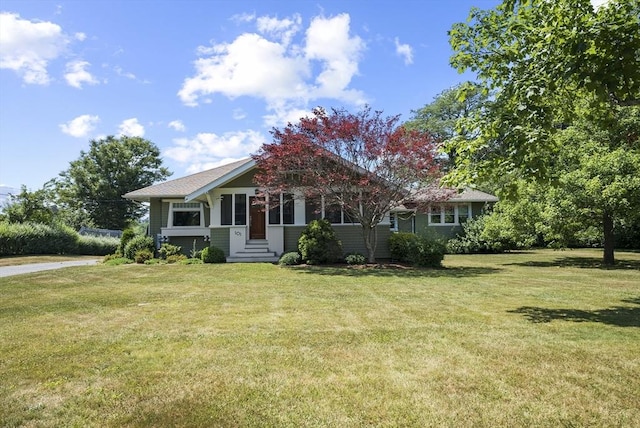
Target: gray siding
(245,180)
(350,236)
(220,239)
(155,216)
(187,244)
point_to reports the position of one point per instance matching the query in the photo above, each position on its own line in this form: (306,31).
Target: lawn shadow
(395,271)
(582,262)
(621,316)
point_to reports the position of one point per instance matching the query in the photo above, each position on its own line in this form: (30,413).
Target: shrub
(318,243)
(136,244)
(168,250)
(97,245)
(426,251)
(355,259)
(190,261)
(127,235)
(213,255)
(34,238)
(290,259)
(400,244)
(115,260)
(143,256)
(175,258)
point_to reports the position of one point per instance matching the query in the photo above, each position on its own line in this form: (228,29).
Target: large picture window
(184,214)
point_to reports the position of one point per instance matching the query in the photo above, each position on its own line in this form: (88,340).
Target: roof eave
(222,180)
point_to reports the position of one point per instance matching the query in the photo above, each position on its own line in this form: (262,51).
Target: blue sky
(205,80)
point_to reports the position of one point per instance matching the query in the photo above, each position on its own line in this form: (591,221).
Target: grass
(540,338)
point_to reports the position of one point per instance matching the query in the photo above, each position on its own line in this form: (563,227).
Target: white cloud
(131,128)
(328,41)
(177,125)
(283,29)
(120,72)
(26,47)
(80,36)
(76,74)
(405,51)
(268,65)
(239,114)
(207,149)
(81,126)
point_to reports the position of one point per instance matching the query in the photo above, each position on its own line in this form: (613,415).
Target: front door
(257,223)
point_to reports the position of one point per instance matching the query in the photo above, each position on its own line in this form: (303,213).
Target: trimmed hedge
(33,238)
(97,245)
(419,250)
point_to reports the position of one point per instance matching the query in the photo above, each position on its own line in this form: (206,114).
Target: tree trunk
(370,236)
(609,239)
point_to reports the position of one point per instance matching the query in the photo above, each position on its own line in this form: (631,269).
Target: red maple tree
(364,163)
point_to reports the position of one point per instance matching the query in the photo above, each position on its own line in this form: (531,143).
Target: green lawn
(538,338)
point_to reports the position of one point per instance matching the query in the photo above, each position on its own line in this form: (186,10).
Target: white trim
(222,180)
(172,209)
(441,207)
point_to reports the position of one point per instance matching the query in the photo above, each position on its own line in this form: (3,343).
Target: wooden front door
(257,223)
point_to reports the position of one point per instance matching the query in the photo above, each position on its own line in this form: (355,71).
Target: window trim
(443,214)
(173,209)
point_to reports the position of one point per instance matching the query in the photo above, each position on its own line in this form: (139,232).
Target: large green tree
(96,181)
(440,117)
(541,60)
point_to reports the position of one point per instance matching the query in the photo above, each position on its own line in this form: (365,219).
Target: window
(241,209)
(463,213)
(449,214)
(435,216)
(283,209)
(313,209)
(393,224)
(333,213)
(288,213)
(226,209)
(186,214)
(274,209)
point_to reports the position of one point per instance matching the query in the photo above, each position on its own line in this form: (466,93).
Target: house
(221,207)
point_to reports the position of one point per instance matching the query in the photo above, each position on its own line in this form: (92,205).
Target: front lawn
(539,338)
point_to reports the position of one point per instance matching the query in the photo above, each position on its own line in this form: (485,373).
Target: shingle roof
(181,187)
(473,195)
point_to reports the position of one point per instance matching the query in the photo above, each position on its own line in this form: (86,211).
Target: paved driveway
(37,267)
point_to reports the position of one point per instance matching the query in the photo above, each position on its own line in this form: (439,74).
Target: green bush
(115,260)
(175,258)
(355,259)
(290,259)
(423,250)
(167,250)
(136,244)
(190,261)
(97,245)
(318,243)
(143,256)
(34,238)
(127,235)
(426,251)
(400,245)
(213,255)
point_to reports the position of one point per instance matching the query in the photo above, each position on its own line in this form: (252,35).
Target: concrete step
(262,259)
